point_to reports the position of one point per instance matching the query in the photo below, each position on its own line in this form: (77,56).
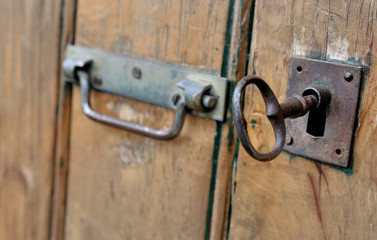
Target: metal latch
(182,90)
(320,111)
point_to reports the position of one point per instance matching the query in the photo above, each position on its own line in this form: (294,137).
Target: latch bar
(152,82)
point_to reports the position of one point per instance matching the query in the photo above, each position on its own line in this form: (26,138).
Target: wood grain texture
(292,197)
(29,52)
(124,186)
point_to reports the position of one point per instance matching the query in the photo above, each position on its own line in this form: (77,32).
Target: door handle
(171,133)
(181,90)
(317,97)
(316,120)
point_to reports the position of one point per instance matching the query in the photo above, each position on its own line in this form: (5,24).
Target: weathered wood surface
(124,186)
(29,69)
(292,197)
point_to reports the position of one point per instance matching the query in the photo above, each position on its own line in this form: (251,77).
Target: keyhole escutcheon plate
(326,135)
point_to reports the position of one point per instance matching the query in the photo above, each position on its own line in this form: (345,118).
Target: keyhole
(317,115)
(316,122)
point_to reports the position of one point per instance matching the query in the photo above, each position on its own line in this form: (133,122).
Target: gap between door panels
(68,13)
(233,177)
(225,153)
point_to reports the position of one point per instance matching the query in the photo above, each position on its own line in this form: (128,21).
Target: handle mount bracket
(180,89)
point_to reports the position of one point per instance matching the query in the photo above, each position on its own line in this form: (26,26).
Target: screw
(97,81)
(175,99)
(288,139)
(348,76)
(208,101)
(136,72)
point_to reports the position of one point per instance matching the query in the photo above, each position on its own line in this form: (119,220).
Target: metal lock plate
(333,145)
(152,82)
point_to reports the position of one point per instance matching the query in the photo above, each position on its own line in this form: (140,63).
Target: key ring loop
(273,112)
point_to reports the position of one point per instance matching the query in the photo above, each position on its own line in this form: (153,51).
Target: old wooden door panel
(29,66)
(292,197)
(125,186)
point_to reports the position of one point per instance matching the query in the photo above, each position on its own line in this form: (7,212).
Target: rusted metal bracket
(182,90)
(324,134)
(153,82)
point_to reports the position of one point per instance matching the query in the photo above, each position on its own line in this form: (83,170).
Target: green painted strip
(74,21)
(215,157)
(232,178)
(219,125)
(232,182)
(232,86)
(228,39)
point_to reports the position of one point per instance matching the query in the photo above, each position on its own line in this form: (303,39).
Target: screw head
(348,76)
(175,99)
(136,72)
(97,81)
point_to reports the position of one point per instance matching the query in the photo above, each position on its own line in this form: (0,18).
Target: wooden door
(29,70)
(64,176)
(292,197)
(111,184)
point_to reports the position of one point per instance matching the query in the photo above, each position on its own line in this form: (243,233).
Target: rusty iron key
(311,99)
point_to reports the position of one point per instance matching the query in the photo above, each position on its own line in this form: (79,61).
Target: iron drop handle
(78,69)
(182,89)
(171,133)
(297,106)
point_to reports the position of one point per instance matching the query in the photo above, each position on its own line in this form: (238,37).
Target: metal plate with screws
(330,140)
(150,81)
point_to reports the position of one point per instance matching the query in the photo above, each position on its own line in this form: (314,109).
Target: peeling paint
(338,50)
(126,112)
(132,155)
(299,48)
(128,155)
